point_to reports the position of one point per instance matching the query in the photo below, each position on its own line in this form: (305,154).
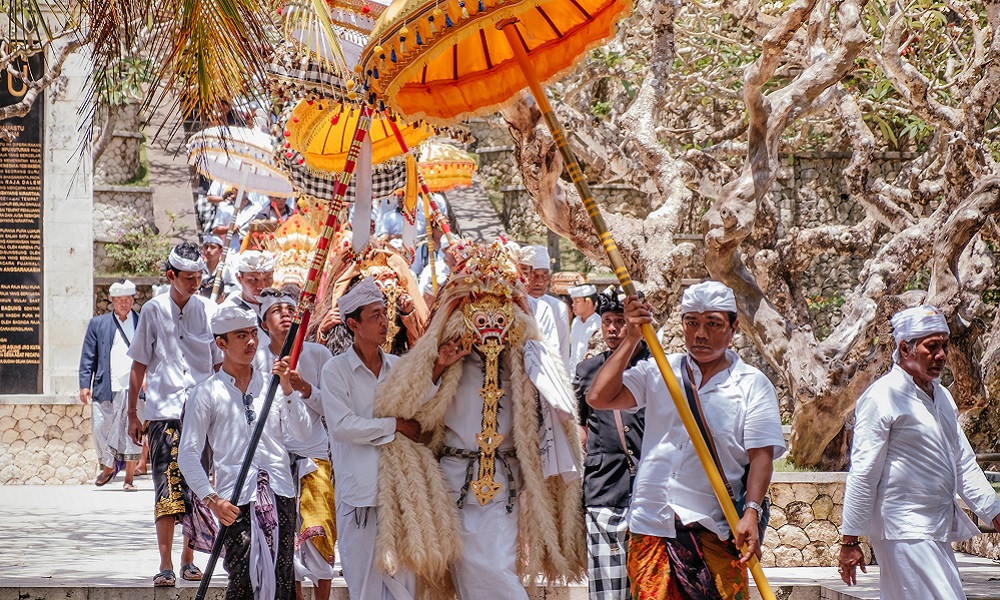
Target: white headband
(708,296)
(270,301)
(231,318)
(582,291)
(124,288)
(364,293)
(255,261)
(915,323)
(180,263)
(536,256)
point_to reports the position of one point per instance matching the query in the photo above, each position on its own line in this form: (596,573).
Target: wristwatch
(756,507)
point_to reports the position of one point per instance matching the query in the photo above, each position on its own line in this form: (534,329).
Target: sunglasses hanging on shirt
(248,404)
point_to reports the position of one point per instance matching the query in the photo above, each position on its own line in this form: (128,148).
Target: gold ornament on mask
(489,321)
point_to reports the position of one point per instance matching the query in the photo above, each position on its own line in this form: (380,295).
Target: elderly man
(614,444)
(586,323)
(680,541)
(104,373)
(536,269)
(255,271)
(910,461)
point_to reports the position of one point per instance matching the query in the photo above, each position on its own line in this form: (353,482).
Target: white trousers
(914,569)
(488,567)
(357,527)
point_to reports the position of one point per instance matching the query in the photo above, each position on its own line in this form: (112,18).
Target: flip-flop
(164,578)
(104,478)
(139,472)
(128,487)
(191,572)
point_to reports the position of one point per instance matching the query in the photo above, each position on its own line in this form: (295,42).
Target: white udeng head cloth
(536,256)
(119,289)
(269,302)
(582,291)
(364,293)
(915,323)
(231,318)
(180,263)
(708,296)
(255,261)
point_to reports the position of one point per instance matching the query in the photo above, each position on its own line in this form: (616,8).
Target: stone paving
(76,542)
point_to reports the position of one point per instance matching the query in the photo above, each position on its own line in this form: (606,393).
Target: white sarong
(119,441)
(911,569)
(357,528)
(102,419)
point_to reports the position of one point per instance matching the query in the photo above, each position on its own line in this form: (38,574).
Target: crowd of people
(460,435)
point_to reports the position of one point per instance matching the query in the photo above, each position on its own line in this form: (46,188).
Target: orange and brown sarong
(316,510)
(693,566)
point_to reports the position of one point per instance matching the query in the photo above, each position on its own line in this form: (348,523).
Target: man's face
(122,304)
(253,283)
(613,328)
(239,346)
(185,283)
(278,319)
(707,335)
(536,281)
(583,307)
(372,326)
(211,252)
(925,358)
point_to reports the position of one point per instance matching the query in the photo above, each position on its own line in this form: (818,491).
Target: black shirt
(606,478)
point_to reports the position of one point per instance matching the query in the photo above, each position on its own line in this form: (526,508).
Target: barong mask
(488,317)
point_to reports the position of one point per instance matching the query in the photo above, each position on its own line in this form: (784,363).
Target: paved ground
(98,538)
(169,177)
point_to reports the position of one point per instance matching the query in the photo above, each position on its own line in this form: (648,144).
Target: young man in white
(910,461)
(172,351)
(317,531)
(586,323)
(536,269)
(224,411)
(254,272)
(348,390)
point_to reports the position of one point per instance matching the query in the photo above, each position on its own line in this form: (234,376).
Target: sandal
(139,472)
(164,578)
(190,572)
(104,478)
(128,487)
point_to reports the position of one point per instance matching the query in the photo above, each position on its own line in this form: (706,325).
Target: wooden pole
(576,174)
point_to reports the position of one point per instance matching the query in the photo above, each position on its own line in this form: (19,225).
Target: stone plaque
(21,239)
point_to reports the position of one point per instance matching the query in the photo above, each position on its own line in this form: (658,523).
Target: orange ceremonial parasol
(443,60)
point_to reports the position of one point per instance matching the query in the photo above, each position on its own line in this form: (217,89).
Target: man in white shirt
(348,391)
(105,367)
(586,323)
(224,411)
(211,251)
(910,462)
(173,351)
(254,272)
(317,530)
(674,513)
(536,269)
(251,204)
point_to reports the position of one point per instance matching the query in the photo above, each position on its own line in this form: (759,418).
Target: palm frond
(34,23)
(213,53)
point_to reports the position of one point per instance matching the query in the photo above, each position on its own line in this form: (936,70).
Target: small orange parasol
(444,167)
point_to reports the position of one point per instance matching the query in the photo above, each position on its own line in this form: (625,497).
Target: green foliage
(600,109)
(919,281)
(785,465)
(139,249)
(823,308)
(123,81)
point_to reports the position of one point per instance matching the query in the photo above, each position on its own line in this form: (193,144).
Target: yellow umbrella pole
(576,174)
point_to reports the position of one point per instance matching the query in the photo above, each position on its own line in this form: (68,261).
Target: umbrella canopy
(320,132)
(444,61)
(444,167)
(309,23)
(238,156)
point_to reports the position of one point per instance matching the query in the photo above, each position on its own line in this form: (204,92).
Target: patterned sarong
(172,495)
(695,565)
(317,510)
(607,546)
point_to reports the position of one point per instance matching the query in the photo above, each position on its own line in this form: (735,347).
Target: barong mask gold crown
(488,312)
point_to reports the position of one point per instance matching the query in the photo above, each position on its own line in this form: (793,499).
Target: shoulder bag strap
(621,437)
(692,396)
(114,318)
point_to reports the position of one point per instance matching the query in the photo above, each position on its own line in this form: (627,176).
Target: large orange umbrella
(444,167)
(442,61)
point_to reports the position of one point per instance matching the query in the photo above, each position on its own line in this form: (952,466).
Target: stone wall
(121,159)
(46,444)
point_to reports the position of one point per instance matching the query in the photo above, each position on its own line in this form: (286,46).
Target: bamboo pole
(576,174)
(238,206)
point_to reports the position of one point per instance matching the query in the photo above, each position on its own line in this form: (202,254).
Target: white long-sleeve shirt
(348,391)
(579,338)
(546,323)
(741,408)
(178,349)
(316,442)
(215,411)
(560,314)
(909,463)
